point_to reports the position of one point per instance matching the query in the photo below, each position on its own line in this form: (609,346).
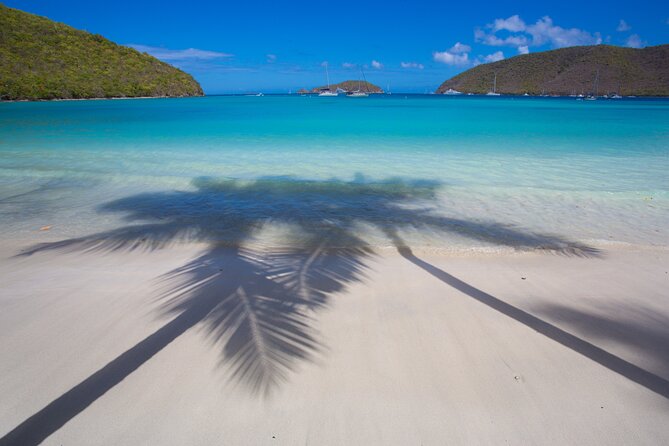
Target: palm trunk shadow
(252,305)
(614,363)
(41,425)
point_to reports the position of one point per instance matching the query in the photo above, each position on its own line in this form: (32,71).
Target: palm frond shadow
(262,304)
(257,303)
(259,299)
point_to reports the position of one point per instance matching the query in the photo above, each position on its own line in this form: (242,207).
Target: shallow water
(448,173)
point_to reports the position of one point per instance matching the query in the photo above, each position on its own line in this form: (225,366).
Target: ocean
(452,174)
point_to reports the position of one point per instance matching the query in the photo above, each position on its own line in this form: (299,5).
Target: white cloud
(544,31)
(494,57)
(634,41)
(420,66)
(517,33)
(513,24)
(460,48)
(493,40)
(523,49)
(175,55)
(450,58)
(377,65)
(457,55)
(348,65)
(623,26)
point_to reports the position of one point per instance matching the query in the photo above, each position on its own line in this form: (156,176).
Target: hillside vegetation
(43,59)
(626,71)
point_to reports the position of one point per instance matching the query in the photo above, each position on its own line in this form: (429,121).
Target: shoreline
(98,99)
(601,248)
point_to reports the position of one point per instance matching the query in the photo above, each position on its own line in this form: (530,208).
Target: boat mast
(327,75)
(494,84)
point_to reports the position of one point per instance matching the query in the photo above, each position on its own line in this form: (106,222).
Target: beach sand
(419,349)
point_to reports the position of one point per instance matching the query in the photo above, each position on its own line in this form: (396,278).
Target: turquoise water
(493,170)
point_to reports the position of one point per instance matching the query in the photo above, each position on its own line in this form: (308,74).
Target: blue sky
(413,46)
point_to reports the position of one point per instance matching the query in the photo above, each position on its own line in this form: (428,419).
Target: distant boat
(526,94)
(593,97)
(452,92)
(494,88)
(327,92)
(359,93)
(617,94)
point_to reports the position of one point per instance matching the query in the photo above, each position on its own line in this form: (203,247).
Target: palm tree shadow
(259,297)
(261,304)
(257,303)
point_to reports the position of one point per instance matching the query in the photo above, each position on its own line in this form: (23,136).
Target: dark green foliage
(626,71)
(42,59)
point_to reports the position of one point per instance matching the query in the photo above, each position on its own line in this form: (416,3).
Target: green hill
(43,59)
(627,71)
(351,86)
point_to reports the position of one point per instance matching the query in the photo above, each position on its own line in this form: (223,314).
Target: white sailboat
(359,93)
(328,92)
(593,97)
(452,92)
(494,88)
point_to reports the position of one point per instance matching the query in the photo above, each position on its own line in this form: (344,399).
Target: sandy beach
(421,348)
(474,251)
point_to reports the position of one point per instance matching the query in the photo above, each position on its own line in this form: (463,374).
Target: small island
(597,69)
(346,86)
(41,59)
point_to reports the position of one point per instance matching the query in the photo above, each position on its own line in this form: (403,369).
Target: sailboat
(494,88)
(359,93)
(327,92)
(592,97)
